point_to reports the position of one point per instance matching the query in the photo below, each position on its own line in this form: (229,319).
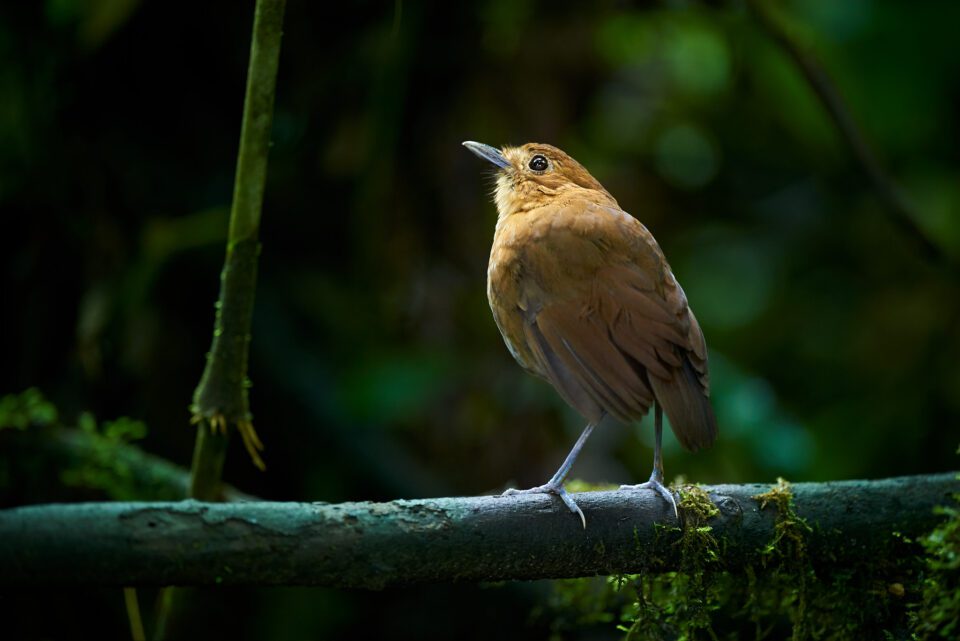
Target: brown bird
(585,299)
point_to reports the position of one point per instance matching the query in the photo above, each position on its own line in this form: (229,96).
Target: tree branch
(122,469)
(375,545)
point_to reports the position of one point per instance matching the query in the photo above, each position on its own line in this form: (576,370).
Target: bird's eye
(538,163)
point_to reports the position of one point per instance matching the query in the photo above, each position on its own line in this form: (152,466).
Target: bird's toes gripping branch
(658,487)
(556,489)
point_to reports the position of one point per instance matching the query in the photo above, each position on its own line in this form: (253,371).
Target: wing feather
(598,364)
(561,377)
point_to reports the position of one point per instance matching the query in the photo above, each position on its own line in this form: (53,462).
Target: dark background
(378,372)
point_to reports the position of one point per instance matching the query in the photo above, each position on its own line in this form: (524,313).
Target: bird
(585,299)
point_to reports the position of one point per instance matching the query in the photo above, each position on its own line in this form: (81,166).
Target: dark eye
(538,163)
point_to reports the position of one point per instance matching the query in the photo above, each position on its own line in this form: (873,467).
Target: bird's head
(534,175)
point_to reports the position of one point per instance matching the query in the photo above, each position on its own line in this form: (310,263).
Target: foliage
(20,411)
(101,469)
(97,466)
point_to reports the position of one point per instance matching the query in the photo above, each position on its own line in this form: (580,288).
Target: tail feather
(688,407)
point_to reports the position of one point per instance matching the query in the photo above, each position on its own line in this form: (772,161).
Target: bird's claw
(658,487)
(556,489)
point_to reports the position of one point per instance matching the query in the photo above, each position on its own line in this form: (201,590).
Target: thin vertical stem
(221,399)
(209,455)
(133,614)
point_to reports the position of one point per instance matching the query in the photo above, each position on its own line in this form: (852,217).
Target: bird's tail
(688,408)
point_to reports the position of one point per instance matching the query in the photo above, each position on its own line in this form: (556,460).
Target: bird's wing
(609,325)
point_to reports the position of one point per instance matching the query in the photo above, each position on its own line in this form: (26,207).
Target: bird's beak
(488,153)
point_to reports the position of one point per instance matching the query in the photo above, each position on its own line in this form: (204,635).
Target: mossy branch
(221,399)
(376,545)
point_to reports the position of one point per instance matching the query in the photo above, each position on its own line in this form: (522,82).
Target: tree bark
(487,538)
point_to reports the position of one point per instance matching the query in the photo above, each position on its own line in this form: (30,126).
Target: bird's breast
(550,253)
(514,270)
(514,284)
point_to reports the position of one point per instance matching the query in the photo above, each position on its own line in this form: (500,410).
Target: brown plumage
(585,299)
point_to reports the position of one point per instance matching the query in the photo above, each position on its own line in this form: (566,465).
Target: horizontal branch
(375,545)
(141,474)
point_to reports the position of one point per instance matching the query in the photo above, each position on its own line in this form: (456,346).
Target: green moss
(819,601)
(938,616)
(785,556)
(790,531)
(674,604)
(788,594)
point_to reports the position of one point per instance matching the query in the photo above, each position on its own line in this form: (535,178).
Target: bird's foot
(556,489)
(657,486)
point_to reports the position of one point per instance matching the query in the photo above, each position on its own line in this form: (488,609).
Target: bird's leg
(656,476)
(555,484)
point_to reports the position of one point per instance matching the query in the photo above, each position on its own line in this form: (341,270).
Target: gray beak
(488,153)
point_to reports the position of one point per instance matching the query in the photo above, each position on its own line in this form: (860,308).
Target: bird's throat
(505,196)
(514,196)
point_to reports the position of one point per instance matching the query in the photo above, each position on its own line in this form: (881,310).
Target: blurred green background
(378,372)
